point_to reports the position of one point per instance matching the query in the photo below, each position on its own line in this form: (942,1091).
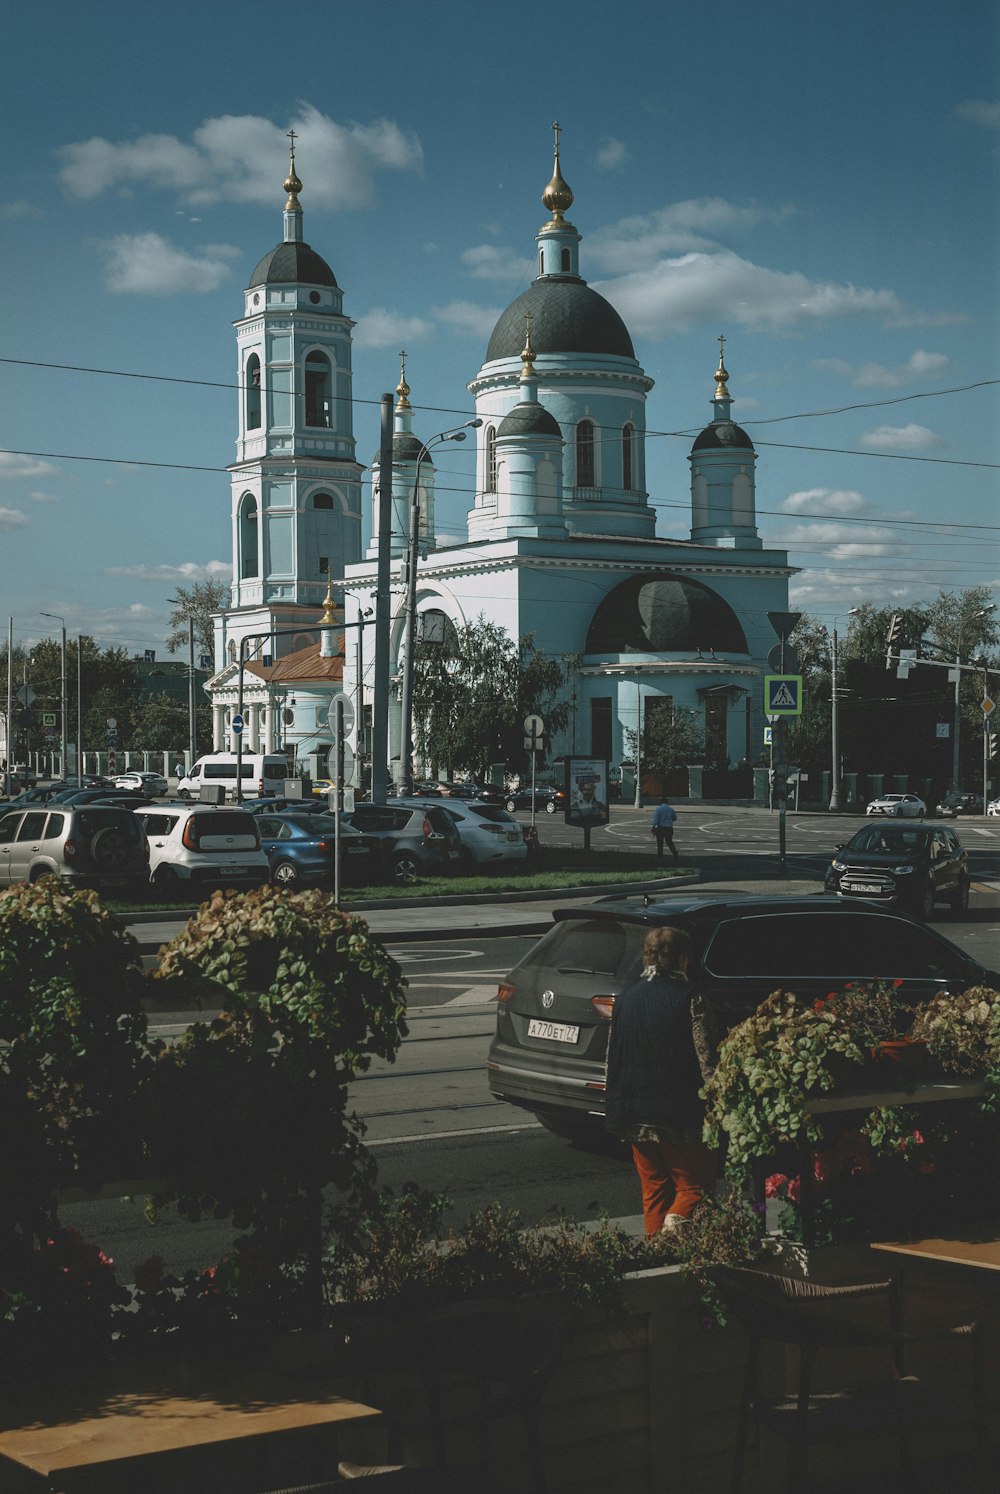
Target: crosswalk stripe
(474,996)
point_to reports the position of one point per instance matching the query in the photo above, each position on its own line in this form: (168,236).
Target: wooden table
(984,1254)
(185,1429)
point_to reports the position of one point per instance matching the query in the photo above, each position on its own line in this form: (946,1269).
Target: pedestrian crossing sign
(783,695)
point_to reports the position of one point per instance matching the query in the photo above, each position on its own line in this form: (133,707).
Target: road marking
(451,1135)
(474,996)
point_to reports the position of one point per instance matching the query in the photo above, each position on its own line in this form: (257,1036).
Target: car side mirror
(840,845)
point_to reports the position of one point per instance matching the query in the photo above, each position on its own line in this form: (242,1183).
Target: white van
(262,775)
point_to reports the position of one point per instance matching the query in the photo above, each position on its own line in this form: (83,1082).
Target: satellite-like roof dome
(567,316)
(722,434)
(406,447)
(658,614)
(292,263)
(529,420)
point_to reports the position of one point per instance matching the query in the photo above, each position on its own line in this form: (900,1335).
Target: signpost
(782,698)
(534,730)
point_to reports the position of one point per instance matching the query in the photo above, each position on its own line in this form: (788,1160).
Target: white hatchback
(487,832)
(152,784)
(199,847)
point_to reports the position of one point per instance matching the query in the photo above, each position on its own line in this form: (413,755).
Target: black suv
(903,866)
(553,1009)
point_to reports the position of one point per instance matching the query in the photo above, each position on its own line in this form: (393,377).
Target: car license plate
(453,855)
(862,887)
(357,850)
(514,835)
(233,871)
(554,1032)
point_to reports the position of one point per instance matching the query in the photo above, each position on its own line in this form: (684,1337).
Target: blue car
(300,851)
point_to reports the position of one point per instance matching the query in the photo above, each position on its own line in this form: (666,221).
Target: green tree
(472,692)
(670,738)
(198,602)
(161,725)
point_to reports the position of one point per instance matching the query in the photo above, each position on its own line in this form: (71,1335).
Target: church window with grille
(628,458)
(565,262)
(319,390)
(491,459)
(253,392)
(585,454)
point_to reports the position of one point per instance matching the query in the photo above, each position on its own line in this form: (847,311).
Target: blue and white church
(561,538)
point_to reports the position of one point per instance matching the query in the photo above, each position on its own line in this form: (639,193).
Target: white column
(218,728)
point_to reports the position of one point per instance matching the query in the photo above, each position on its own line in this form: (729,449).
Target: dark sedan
(547,797)
(903,866)
(300,850)
(956,802)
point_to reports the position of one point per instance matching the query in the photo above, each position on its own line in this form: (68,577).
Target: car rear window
(379,817)
(54,826)
(595,946)
(836,946)
(89,821)
(227,831)
(493,813)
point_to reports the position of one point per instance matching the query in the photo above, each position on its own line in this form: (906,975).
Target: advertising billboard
(586,791)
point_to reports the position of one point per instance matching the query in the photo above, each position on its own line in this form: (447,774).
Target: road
(430,1116)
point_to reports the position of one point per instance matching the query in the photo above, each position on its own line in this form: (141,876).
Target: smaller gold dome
(292,184)
(403,388)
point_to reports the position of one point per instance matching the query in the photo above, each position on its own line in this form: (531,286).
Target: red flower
(793,1190)
(774,1184)
(897,984)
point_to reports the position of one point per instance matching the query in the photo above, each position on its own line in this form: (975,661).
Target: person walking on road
(652,1082)
(664,818)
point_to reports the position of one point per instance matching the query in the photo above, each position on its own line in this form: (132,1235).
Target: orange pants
(675,1176)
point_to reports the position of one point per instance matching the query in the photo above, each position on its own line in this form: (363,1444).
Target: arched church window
(319,390)
(491,459)
(253,392)
(249,562)
(585,454)
(232,650)
(541,262)
(565,262)
(628,458)
(323,500)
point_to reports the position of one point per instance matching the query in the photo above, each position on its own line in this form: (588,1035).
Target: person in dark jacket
(653,1078)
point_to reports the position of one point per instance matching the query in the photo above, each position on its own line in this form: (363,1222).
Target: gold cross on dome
(722,344)
(292,137)
(556,130)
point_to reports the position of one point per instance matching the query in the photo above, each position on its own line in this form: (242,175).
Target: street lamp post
(412,552)
(955,746)
(192,714)
(835,717)
(62,692)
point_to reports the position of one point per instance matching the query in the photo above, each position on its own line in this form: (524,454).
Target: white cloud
(13,464)
(468,319)
(676,293)
(611,153)
(12,518)
(910,437)
(39,497)
(148,264)
(382,328)
(19,208)
(825,501)
(170,575)
(841,541)
(236,158)
(980,111)
(640,242)
(919,365)
(486,262)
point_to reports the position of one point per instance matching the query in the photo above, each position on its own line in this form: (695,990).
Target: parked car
(547,797)
(417,840)
(202,846)
(300,849)
(286,806)
(903,866)
(901,806)
(29,796)
(547,1054)
(153,784)
(74,795)
(993,807)
(957,801)
(455,790)
(487,832)
(90,845)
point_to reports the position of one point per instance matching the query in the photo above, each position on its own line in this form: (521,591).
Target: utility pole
(380,709)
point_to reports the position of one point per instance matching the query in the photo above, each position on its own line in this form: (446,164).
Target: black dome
(566,317)
(656,614)
(529,420)
(722,434)
(405,448)
(292,264)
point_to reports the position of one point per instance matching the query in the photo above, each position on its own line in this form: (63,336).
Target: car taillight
(603,1005)
(323,845)
(190,836)
(69,849)
(428,828)
(505,992)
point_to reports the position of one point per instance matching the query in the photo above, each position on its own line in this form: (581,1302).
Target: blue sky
(818,182)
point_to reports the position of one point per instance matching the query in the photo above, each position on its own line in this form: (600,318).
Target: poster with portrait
(586,791)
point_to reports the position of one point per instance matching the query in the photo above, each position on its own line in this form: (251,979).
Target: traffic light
(895,627)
